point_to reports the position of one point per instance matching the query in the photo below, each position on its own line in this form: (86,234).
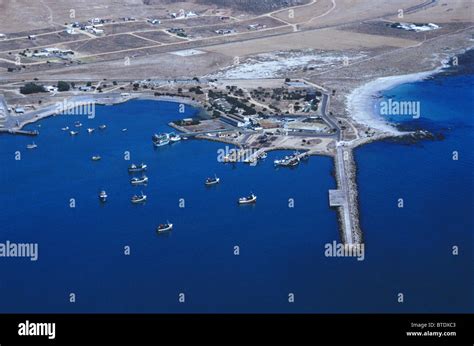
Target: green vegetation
(237,104)
(31,88)
(63,86)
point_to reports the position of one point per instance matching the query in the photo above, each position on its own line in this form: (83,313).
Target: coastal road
(15,121)
(328,119)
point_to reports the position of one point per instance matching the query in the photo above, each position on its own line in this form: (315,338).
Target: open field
(51,39)
(460,11)
(159,36)
(238,27)
(321,39)
(307,13)
(25,14)
(348,11)
(108,43)
(337,27)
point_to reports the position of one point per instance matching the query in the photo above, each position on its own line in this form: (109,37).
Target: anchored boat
(77,124)
(212,181)
(137,168)
(247,200)
(139,181)
(288,161)
(166,227)
(174,137)
(31,146)
(89,130)
(160,139)
(65,128)
(96,158)
(103,196)
(73,133)
(102,127)
(138,198)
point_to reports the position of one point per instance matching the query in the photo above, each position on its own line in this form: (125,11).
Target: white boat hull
(248,201)
(166,229)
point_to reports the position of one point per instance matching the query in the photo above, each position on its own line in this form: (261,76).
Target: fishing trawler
(124,130)
(31,146)
(247,200)
(96,158)
(102,127)
(138,198)
(103,196)
(166,227)
(78,124)
(288,161)
(137,168)
(73,133)
(90,130)
(280,162)
(65,128)
(212,181)
(139,181)
(292,162)
(160,139)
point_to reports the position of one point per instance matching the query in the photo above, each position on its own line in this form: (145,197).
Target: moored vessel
(137,168)
(174,137)
(249,199)
(212,181)
(288,161)
(160,139)
(139,181)
(165,227)
(103,196)
(138,198)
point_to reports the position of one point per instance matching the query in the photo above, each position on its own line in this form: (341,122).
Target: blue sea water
(81,249)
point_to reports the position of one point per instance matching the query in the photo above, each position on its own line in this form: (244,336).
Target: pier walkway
(341,197)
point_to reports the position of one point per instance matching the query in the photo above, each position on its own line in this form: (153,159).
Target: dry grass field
(339,27)
(320,39)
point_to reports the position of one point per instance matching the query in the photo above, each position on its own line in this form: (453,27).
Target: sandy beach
(360,101)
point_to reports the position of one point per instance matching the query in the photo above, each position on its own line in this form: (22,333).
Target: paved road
(194,134)
(328,119)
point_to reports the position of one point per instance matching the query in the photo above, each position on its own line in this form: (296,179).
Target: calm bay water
(81,250)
